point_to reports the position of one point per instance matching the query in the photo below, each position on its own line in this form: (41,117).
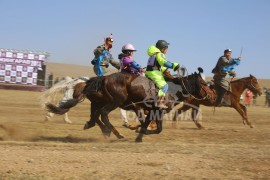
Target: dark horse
(237,88)
(131,92)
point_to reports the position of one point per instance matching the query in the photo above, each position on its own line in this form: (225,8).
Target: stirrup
(161,105)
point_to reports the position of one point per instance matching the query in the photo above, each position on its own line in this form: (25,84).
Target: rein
(253,85)
(181,77)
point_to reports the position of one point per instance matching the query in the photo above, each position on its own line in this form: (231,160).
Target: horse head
(195,86)
(253,85)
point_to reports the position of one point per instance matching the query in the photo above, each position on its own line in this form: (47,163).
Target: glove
(176,66)
(168,74)
(120,56)
(233,74)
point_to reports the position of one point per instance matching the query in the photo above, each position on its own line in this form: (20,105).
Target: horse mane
(240,79)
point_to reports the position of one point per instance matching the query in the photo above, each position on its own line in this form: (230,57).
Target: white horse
(65,88)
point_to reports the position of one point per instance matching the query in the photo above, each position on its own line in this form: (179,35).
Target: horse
(130,92)
(237,86)
(64,87)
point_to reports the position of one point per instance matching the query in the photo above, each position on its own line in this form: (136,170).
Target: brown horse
(237,87)
(131,92)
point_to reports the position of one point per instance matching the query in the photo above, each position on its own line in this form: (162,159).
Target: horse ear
(251,76)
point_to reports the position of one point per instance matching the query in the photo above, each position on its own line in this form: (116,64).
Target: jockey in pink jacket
(128,65)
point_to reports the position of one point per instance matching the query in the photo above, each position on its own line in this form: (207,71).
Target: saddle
(226,100)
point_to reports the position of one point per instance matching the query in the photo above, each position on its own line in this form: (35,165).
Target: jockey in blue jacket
(103,57)
(224,66)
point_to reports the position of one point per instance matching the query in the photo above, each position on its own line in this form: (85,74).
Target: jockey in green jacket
(156,65)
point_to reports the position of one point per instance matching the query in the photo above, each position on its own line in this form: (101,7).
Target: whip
(241,51)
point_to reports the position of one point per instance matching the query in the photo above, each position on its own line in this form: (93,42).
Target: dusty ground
(32,149)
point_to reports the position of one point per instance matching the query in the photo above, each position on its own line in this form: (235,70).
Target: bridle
(181,77)
(251,85)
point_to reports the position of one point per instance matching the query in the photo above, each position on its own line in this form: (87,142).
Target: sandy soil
(33,149)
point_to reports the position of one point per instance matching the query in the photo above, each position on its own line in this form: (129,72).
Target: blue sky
(198,30)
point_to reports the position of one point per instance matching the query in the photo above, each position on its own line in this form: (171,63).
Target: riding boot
(160,102)
(220,94)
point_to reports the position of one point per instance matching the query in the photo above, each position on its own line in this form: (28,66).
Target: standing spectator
(267,97)
(248,97)
(254,102)
(241,98)
(266,92)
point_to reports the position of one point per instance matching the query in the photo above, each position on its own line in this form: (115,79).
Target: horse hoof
(252,126)
(138,140)
(201,128)
(88,125)
(68,122)
(174,126)
(120,136)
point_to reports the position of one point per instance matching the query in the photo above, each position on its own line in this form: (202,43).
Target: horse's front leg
(144,124)
(159,116)
(177,113)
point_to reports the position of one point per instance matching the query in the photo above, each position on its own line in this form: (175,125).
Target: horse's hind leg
(94,118)
(242,110)
(94,114)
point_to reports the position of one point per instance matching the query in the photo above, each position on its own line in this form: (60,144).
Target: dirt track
(32,149)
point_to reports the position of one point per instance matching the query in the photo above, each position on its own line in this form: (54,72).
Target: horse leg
(124,117)
(94,114)
(140,115)
(66,119)
(241,109)
(144,125)
(49,115)
(194,115)
(105,119)
(159,124)
(245,114)
(105,131)
(94,118)
(177,113)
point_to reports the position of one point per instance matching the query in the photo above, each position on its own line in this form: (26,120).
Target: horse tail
(50,95)
(63,107)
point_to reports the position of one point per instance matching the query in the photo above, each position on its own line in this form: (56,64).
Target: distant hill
(72,70)
(62,70)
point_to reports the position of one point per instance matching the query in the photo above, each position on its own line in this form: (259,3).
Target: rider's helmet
(110,38)
(227,50)
(162,44)
(128,48)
